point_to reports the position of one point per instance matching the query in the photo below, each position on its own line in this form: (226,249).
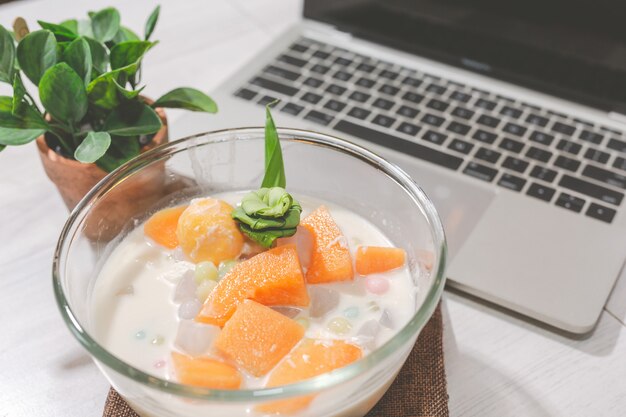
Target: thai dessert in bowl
(288,277)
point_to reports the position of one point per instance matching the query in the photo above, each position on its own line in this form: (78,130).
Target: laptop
(510,115)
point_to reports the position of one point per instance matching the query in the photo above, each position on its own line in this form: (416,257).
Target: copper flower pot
(74,179)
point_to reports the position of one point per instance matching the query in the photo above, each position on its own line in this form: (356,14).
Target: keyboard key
(607,129)
(606,176)
(343,61)
(563,128)
(391,75)
(617,145)
(382,103)
(413,97)
(436,88)
(592,190)
(299,47)
(319,117)
(313,82)
(511,182)
(600,213)
(485,104)
(431,119)
(245,94)
(408,128)
(266,100)
(365,67)
(389,89)
(488,155)
(567,163)
(407,111)
(511,145)
(342,76)
(537,120)
(384,121)
(359,113)
(510,112)
(515,164)
(336,89)
(311,98)
(462,112)
(320,69)
(542,138)
(292,109)
(281,72)
(514,129)
(542,173)
(479,171)
(437,105)
(458,128)
(359,96)
(321,54)
(620,163)
(591,137)
(583,122)
(365,82)
(459,96)
(540,191)
(296,62)
(484,136)
(434,137)
(569,146)
(274,86)
(570,202)
(538,154)
(334,105)
(412,81)
(597,155)
(488,121)
(410,148)
(461,146)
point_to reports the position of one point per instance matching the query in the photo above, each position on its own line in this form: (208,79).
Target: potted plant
(93,117)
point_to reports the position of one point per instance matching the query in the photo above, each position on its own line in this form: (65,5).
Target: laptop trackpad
(460,203)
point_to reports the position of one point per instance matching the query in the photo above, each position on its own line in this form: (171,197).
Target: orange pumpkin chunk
(330,259)
(376,259)
(257,337)
(207,232)
(311,358)
(161,226)
(205,372)
(271,278)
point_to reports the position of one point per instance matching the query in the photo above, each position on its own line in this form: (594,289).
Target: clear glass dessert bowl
(317,166)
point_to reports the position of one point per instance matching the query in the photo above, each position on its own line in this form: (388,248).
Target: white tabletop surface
(497,365)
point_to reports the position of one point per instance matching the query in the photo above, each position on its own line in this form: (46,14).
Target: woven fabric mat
(419,391)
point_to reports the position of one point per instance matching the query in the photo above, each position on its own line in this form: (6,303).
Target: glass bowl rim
(324,381)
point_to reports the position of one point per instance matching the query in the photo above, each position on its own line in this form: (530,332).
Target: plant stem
(63,143)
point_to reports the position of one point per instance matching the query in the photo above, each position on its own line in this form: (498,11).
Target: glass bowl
(318,166)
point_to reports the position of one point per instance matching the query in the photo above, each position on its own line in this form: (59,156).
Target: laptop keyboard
(574,164)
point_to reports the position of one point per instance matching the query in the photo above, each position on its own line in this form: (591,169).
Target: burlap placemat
(419,391)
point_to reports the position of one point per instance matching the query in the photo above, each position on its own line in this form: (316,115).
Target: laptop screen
(575,49)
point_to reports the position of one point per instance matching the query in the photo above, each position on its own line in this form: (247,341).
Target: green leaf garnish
(274,167)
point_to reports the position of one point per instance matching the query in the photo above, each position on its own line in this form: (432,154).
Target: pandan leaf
(274,167)
(63,94)
(19,91)
(151,22)
(71,24)
(134,118)
(105,24)
(36,53)
(61,33)
(7,56)
(122,150)
(128,53)
(78,56)
(15,137)
(26,118)
(2,147)
(99,56)
(125,34)
(92,147)
(187,98)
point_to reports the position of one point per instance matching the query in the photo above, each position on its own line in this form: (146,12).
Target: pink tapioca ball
(159,364)
(377,285)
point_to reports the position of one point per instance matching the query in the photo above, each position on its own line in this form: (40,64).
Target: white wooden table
(497,365)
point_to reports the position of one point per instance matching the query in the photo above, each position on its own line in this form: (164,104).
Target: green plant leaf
(7,56)
(92,147)
(9,136)
(78,56)
(84,28)
(151,22)
(187,98)
(63,94)
(105,91)
(105,24)
(19,91)
(125,34)
(71,24)
(26,118)
(122,149)
(274,167)
(99,56)
(36,53)
(61,33)
(2,147)
(134,118)
(129,52)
